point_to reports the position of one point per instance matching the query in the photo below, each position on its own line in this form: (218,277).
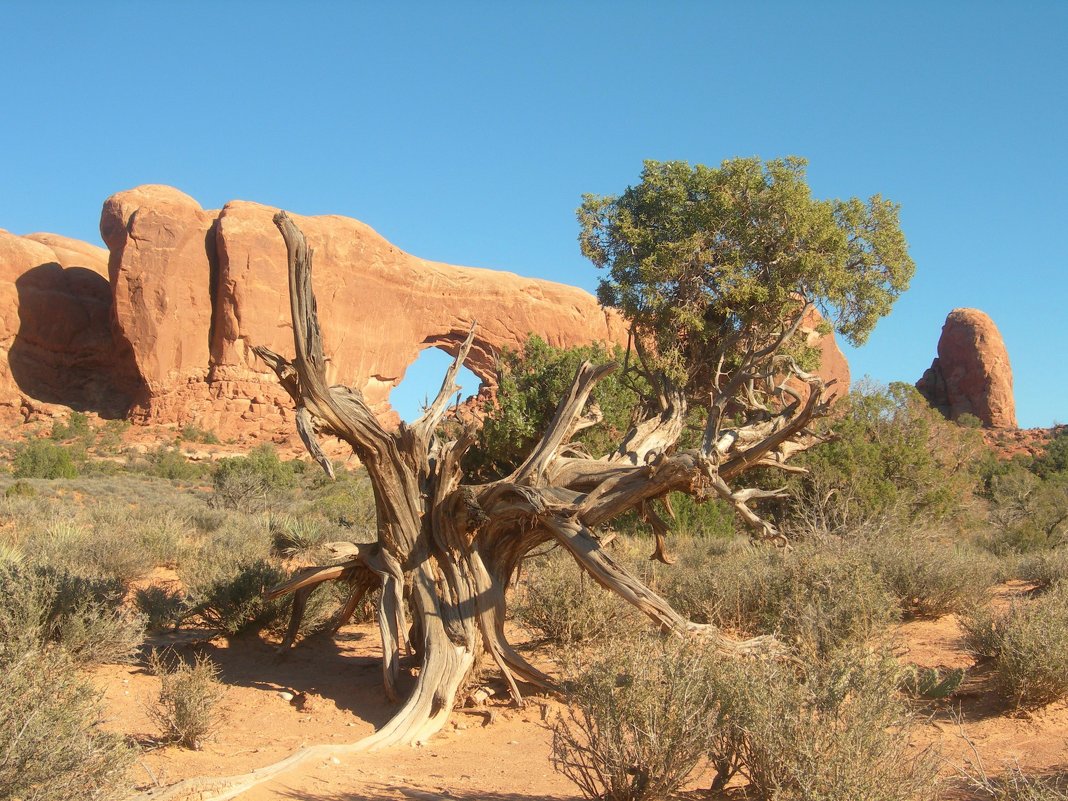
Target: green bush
(42,459)
(529,386)
(891,453)
(77,427)
(1027,514)
(20,489)
(110,437)
(192,433)
(187,708)
(53,748)
(1027,647)
(169,463)
(638,721)
(253,482)
(1055,458)
(233,602)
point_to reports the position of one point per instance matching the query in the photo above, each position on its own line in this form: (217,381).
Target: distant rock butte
(971,374)
(161,327)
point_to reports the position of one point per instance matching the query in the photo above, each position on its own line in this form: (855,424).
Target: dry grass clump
(1015,785)
(187,708)
(53,748)
(930,576)
(564,605)
(1026,646)
(832,728)
(639,720)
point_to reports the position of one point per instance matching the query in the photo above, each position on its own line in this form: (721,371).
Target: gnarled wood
(448,551)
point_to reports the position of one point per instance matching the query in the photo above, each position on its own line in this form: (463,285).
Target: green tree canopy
(709,262)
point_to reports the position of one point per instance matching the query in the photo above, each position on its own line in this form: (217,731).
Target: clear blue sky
(467,132)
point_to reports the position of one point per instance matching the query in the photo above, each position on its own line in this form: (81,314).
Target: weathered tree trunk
(448,550)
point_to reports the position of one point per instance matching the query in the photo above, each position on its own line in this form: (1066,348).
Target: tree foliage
(709,262)
(530,382)
(891,452)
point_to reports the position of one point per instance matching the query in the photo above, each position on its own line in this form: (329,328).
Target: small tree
(722,263)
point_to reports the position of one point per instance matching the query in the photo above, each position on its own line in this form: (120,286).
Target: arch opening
(422,379)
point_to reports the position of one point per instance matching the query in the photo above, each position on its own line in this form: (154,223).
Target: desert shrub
(718,581)
(824,600)
(1027,647)
(162,608)
(76,427)
(891,452)
(53,748)
(347,502)
(822,729)
(1044,568)
(42,459)
(232,602)
(293,535)
(192,433)
(109,439)
(564,605)
(169,463)
(187,708)
(20,489)
(816,596)
(84,616)
(1054,460)
(1027,513)
(251,482)
(529,385)
(638,721)
(930,577)
(1016,785)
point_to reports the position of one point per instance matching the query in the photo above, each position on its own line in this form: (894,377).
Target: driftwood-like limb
(447,552)
(532,470)
(431,417)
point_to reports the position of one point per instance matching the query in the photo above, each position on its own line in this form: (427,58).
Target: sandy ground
(493,752)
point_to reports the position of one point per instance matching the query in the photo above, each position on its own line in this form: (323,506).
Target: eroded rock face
(55,327)
(162,326)
(971,374)
(195,290)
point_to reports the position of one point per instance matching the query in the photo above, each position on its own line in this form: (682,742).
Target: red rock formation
(55,327)
(833,365)
(194,290)
(971,374)
(191,290)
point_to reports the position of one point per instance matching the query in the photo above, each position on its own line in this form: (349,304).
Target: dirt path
(494,752)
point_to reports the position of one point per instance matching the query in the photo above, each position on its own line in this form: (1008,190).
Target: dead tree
(446,550)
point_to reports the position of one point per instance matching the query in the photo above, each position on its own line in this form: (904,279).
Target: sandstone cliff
(971,374)
(160,326)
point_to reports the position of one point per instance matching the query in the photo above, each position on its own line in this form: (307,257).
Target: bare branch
(570,407)
(430,418)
